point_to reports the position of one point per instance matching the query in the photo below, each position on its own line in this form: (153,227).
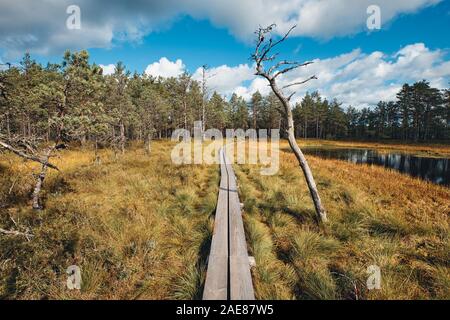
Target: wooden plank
(216,283)
(228,275)
(241,286)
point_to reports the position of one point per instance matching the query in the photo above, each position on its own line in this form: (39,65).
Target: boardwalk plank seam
(228,275)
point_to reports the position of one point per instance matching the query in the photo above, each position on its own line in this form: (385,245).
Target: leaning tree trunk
(40,179)
(320,210)
(263,53)
(37,188)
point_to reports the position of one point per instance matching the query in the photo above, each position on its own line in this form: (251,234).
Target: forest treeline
(420,113)
(113,109)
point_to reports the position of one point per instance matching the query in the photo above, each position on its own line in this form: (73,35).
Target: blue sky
(198,42)
(413,42)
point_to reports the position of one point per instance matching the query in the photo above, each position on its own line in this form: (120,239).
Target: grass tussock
(377,217)
(138,226)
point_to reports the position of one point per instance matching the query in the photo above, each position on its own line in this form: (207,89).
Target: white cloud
(225,79)
(108,69)
(258,84)
(327,18)
(357,78)
(315,18)
(165,68)
(364,79)
(39,26)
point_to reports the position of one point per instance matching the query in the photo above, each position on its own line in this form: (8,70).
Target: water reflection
(432,169)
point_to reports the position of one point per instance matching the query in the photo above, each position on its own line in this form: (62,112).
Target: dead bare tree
(205,90)
(28,150)
(58,144)
(264,54)
(204,70)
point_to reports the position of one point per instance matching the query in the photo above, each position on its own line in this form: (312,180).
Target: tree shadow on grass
(300,216)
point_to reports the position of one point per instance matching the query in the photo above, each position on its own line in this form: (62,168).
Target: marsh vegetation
(377,217)
(140,227)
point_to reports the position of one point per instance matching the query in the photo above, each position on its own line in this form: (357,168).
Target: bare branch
(261,36)
(27,156)
(17,233)
(273,44)
(300,82)
(292,68)
(281,63)
(272,57)
(270,44)
(291,95)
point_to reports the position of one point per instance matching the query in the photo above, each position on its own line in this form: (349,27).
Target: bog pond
(436,170)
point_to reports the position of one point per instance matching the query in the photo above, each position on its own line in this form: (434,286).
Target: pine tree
(256,105)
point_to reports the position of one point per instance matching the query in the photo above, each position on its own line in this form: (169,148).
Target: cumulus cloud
(40,27)
(354,78)
(360,79)
(327,18)
(165,68)
(225,79)
(108,69)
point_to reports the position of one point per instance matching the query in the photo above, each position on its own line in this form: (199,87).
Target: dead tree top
(264,53)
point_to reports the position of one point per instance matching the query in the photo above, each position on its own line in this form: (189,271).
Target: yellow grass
(139,227)
(377,217)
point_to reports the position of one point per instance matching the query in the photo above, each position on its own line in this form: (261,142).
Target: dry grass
(377,216)
(139,227)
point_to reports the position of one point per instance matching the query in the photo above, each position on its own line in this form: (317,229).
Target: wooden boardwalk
(228,276)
